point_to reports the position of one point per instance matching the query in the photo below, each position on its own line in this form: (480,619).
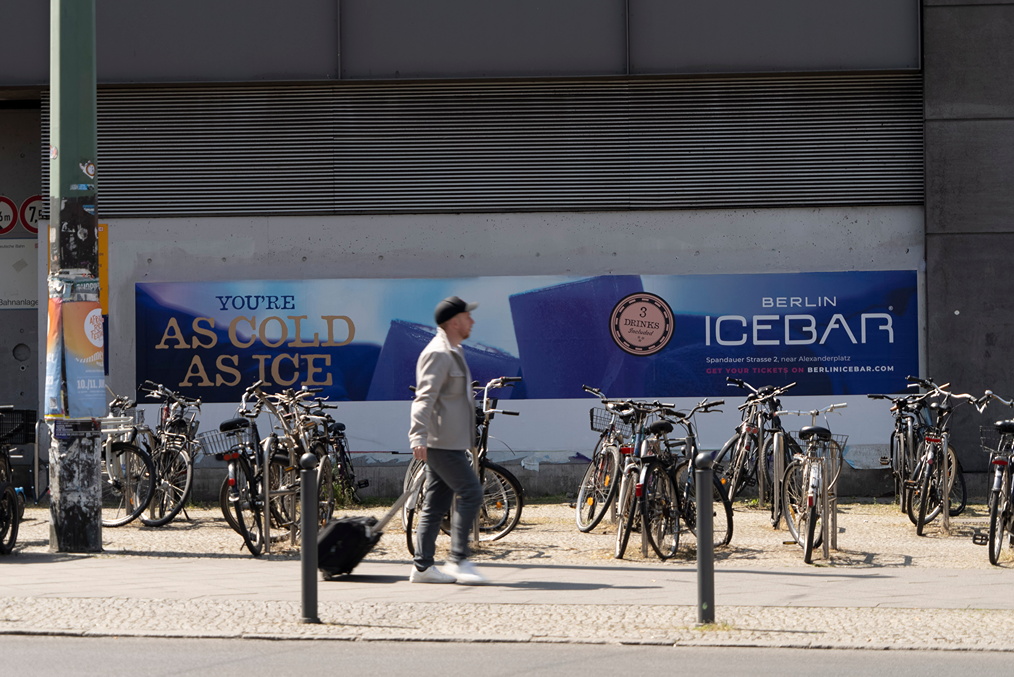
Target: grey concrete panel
(25,28)
(464,38)
(20,158)
(971,327)
(471,245)
(964,3)
(729,36)
(969,176)
(968,59)
(19,341)
(184,41)
(216,40)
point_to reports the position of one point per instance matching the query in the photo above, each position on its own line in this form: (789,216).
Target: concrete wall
(670,242)
(19,180)
(222,40)
(968,59)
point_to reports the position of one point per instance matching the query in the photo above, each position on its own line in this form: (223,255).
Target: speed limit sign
(31,209)
(8,215)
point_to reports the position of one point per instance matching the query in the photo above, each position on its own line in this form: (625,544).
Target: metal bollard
(308,527)
(704,477)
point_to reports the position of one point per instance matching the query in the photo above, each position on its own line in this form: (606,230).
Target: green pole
(75,338)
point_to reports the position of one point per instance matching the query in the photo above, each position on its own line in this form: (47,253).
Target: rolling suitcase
(343,543)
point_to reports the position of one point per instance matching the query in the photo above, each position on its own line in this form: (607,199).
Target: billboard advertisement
(643,336)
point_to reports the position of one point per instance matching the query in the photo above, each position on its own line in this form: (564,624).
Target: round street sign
(30,211)
(8,215)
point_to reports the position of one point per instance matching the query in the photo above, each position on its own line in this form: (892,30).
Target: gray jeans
(449,474)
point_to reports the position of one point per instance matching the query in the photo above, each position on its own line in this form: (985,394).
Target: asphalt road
(111,657)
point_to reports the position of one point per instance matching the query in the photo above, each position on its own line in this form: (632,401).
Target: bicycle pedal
(910,484)
(885,460)
(362,484)
(789,543)
(980,539)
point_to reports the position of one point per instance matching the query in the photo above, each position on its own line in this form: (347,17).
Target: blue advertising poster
(847,333)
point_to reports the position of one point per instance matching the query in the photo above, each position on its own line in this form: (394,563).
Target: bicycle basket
(992,441)
(824,446)
(215,443)
(601,418)
(17,426)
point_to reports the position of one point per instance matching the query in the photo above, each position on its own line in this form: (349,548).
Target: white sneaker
(466,573)
(430,575)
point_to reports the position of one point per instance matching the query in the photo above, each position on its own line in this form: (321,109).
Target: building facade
(452,139)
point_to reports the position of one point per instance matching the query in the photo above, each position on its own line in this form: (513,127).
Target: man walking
(442,433)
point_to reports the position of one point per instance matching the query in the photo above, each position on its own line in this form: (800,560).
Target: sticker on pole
(641,324)
(8,215)
(31,210)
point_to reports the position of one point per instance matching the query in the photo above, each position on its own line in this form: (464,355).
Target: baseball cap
(450,307)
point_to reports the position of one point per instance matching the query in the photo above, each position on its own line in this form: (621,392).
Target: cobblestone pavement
(871,537)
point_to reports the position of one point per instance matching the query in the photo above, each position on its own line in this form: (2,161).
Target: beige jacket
(443,411)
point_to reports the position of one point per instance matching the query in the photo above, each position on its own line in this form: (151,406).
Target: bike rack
(266,494)
(778,450)
(945,474)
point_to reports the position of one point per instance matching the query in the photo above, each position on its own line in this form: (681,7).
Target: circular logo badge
(93,327)
(641,324)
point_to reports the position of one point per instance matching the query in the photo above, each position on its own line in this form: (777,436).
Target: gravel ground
(871,534)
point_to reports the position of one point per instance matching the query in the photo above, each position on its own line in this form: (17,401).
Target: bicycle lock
(705,539)
(308,540)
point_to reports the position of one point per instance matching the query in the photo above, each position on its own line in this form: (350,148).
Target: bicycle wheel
(743,467)
(660,510)
(174,474)
(929,505)
(687,488)
(246,508)
(794,502)
(223,502)
(897,458)
(957,497)
(502,502)
(999,509)
(812,519)
(413,509)
(325,491)
(346,487)
(598,487)
(625,513)
(8,520)
(789,451)
(128,482)
(914,492)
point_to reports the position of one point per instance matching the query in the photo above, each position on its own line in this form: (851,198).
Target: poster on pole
(642,336)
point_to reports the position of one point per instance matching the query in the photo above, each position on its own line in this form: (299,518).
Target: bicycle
(924,484)
(597,493)
(753,434)
(636,415)
(173,449)
(502,494)
(807,494)
(998,441)
(911,419)
(668,484)
(128,473)
(244,494)
(17,426)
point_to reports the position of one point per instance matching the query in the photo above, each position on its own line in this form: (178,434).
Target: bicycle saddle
(337,427)
(660,428)
(809,431)
(940,408)
(233,424)
(1004,427)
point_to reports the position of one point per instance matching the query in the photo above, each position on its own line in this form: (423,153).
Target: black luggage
(343,543)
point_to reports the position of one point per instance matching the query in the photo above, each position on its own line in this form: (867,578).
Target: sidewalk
(538,599)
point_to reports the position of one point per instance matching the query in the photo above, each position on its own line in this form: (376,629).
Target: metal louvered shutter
(667,143)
